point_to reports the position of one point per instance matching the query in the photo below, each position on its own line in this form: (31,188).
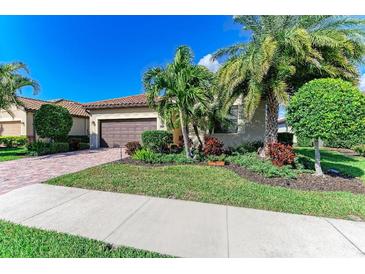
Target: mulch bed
(305,181)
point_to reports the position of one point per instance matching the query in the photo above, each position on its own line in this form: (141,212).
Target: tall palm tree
(12,79)
(283,53)
(176,88)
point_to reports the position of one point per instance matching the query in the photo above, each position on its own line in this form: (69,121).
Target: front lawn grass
(7,154)
(349,165)
(213,185)
(18,241)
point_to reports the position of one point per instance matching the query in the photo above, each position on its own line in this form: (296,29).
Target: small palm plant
(174,90)
(12,79)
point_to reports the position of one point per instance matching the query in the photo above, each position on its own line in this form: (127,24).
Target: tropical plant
(175,89)
(325,109)
(12,79)
(54,122)
(284,52)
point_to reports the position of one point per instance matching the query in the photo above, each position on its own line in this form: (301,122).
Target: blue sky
(88,58)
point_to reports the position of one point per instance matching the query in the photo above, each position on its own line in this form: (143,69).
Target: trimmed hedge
(51,121)
(156,140)
(38,148)
(13,141)
(360,149)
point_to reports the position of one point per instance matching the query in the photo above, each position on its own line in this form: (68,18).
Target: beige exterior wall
(25,118)
(15,114)
(116,114)
(248,131)
(80,126)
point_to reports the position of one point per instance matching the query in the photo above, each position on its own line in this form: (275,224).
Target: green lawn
(352,166)
(213,185)
(18,241)
(7,154)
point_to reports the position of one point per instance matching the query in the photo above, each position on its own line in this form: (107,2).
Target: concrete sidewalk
(181,228)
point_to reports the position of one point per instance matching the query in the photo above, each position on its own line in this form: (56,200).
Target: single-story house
(18,120)
(115,122)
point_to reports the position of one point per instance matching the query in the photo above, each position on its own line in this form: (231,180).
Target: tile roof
(129,101)
(75,108)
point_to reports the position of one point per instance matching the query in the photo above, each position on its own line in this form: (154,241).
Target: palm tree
(283,53)
(175,89)
(12,79)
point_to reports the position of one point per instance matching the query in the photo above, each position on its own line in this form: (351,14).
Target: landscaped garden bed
(18,241)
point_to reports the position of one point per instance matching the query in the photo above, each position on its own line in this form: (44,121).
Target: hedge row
(13,141)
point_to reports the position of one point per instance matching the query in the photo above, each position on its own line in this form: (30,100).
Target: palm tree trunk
(317,156)
(196,131)
(271,122)
(185,134)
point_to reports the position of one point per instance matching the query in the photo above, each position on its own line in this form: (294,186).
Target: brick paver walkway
(27,171)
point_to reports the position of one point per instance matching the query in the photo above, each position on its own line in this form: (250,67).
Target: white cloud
(362,83)
(212,65)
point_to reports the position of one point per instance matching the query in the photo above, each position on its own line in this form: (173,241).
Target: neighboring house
(18,120)
(283,127)
(117,121)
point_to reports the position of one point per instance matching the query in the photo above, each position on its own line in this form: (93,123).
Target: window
(232,125)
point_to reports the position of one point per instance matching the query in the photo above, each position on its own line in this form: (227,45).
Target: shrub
(304,141)
(327,109)
(215,158)
(156,140)
(212,146)
(52,122)
(131,147)
(247,147)
(360,149)
(144,154)
(38,148)
(13,141)
(348,142)
(264,167)
(281,154)
(285,138)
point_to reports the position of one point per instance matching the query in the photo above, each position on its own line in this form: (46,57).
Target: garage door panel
(116,133)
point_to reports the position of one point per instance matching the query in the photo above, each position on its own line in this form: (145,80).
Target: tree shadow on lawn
(329,159)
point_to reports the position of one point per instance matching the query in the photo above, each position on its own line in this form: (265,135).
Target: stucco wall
(15,114)
(80,126)
(248,131)
(121,113)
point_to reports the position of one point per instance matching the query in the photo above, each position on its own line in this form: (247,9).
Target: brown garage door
(10,128)
(116,133)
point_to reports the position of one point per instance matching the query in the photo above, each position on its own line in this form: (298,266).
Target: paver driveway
(27,171)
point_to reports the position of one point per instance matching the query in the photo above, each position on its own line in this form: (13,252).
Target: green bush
(80,138)
(360,149)
(54,122)
(247,147)
(348,142)
(285,138)
(328,109)
(148,156)
(156,140)
(264,167)
(38,148)
(13,141)
(304,141)
(145,155)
